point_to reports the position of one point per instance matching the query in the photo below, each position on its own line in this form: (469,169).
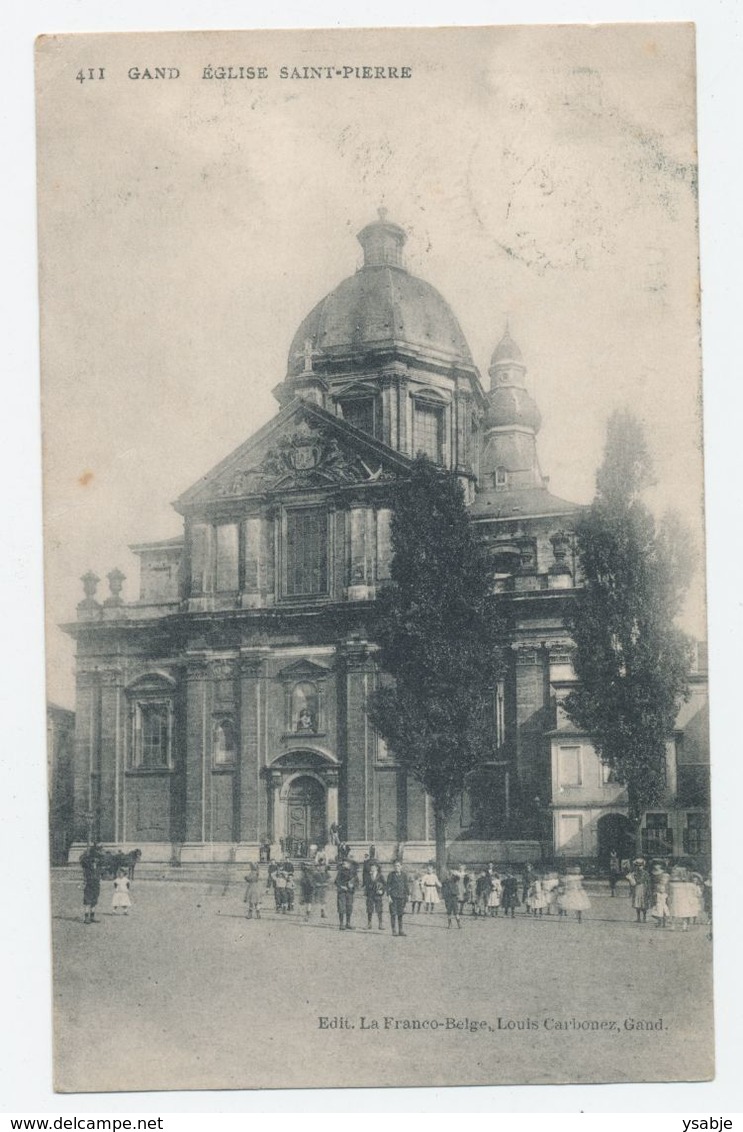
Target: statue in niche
(305,722)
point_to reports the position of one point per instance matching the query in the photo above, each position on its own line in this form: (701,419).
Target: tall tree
(631,660)
(439,633)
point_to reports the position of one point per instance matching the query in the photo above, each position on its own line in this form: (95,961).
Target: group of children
(675,897)
(487,892)
(311,884)
(482,893)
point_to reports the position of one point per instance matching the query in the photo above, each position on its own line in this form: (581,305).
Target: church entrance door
(306,822)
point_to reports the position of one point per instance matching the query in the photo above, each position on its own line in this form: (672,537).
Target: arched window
(151,716)
(223,741)
(305,708)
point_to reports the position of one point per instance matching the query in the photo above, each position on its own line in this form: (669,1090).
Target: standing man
(375,888)
(615,871)
(398,890)
(91,862)
(451,897)
(345,883)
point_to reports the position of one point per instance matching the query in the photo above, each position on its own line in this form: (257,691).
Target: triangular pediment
(303,447)
(303,670)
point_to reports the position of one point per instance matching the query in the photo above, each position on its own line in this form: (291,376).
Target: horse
(113,860)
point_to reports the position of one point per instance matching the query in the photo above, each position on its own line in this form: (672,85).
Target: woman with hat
(639,882)
(683,898)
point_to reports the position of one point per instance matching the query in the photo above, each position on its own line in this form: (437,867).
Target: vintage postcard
(288,279)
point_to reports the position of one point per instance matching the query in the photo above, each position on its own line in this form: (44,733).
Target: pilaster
(197,720)
(358,680)
(111,754)
(252,807)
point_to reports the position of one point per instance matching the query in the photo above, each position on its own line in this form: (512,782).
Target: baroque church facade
(226,707)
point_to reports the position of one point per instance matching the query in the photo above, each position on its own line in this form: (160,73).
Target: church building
(226,707)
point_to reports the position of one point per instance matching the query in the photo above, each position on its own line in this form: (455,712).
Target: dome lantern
(382,242)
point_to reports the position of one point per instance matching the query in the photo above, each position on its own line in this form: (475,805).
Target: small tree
(631,660)
(439,632)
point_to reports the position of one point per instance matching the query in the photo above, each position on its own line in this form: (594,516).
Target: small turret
(512,421)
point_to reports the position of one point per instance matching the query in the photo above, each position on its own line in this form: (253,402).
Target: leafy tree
(439,632)
(631,660)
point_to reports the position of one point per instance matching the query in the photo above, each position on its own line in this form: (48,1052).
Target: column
(86,739)
(196,748)
(331,805)
(277,809)
(356,735)
(202,556)
(252,711)
(384,544)
(462,460)
(111,775)
(255,555)
(388,411)
(360,519)
(403,414)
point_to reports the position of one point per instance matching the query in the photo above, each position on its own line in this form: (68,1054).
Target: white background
(25,1065)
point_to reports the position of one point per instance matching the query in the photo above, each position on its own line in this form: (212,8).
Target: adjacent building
(60,753)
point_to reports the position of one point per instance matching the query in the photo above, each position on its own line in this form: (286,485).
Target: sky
(543,175)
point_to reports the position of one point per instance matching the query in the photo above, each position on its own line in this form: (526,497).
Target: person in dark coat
(374,888)
(91,862)
(615,871)
(398,890)
(253,888)
(450,892)
(639,882)
(510,898)
(345,884)
(370,859)
(320,881)
(306,890)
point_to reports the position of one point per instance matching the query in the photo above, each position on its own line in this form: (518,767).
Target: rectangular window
(696,834)
(571,834)
(657,836)
(361,413)
(569,766)
(306,552)
(152,734)
(428,431)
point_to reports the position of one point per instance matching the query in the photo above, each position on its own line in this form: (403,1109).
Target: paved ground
(185,993)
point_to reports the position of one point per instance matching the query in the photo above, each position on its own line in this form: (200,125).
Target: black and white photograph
(376,639)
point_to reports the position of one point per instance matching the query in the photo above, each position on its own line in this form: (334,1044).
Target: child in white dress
(536,897)
(416,893)
(122,899)
(431,885)
(495,894)
(572,897)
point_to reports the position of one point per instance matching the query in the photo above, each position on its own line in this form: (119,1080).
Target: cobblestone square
(185,993)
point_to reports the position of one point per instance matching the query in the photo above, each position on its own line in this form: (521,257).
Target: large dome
(380,308)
